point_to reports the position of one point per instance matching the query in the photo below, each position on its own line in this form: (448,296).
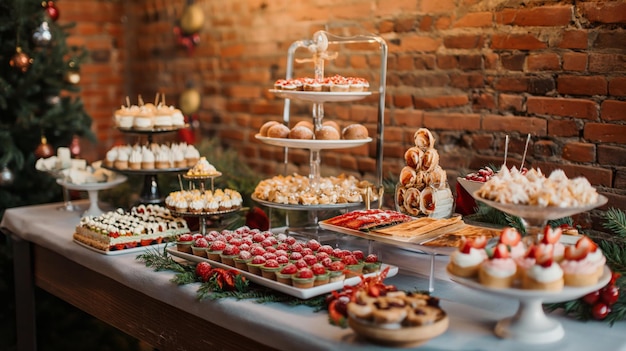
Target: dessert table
(123,292)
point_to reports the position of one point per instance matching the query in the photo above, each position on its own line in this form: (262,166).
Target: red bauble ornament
(44,150)
(75,147)
(51,10)
(20,60)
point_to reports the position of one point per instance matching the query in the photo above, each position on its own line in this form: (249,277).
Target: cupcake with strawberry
(254,266)
(183,244)
(545,274)
(512,238)
(499,270)
(229,253)
(552,236)
(371,264)
(525,262)
(322,276)
(303,278)
(354,268)
(465,262)
(337,271)
(214,251)
(582,263)
(199,247)
(269,269)
(241,261)
(284,274)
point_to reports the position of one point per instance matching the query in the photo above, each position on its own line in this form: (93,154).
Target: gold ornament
(44,150)
(189,101)
(192,19)
(72,77)
(20,60)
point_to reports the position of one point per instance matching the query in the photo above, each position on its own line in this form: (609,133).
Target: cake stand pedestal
(92,190)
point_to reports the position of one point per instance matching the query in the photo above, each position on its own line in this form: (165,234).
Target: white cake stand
(530,323)
(92,190)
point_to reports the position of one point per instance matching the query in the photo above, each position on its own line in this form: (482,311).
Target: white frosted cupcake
(134,160)
(111,156)
(147,159)
(192,155)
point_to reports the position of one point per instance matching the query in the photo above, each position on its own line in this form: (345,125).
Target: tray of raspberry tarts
(302,269)
(550,268)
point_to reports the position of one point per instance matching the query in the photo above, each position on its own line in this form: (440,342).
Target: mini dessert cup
(354,270)
(184,246)
(199,251)
(371,267)
(321,279)
(302,283)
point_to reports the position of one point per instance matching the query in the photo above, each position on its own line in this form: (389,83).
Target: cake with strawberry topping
(254,266)
(199,247)
(322,276)
(583,263)
(284,274)
(354,267)
(545,274)
(241,261)
(183,244)
(228,254)
(303,278)
(336,270)
(371,264)
(215,249)
(269,269)
(466,261)
(513,240)
(499,270)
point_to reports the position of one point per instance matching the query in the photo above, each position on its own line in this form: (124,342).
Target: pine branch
(161,261)
(615,221)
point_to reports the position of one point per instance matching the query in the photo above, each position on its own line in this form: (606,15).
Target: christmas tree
(39,101)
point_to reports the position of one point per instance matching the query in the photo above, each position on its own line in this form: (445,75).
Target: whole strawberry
(203,271)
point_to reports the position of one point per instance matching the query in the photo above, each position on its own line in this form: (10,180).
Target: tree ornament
(6,176)
(42,35)
(53,100)
(75,146)
(51,10)
(72,77)
(189,101)
(44,150)
(192,19)
(20,60)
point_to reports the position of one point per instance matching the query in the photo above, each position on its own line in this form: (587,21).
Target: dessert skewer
(525,150)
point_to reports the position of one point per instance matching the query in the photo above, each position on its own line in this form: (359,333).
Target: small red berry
(600,310)
(609,294)
(592,297)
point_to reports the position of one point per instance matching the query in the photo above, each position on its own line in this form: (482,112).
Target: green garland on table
(614,249)
(185,274)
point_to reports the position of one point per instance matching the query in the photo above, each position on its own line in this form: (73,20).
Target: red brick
(575,108)
(405,63)
(617,86)
(605,11)
(613,110)
(408,117)
(467,80)
(537,16)
(563,128)
(577,85)
(386,26)
(403,100)
(516,42)
(606,63)
(605,133)
(451,121)
(543,62)
(574,39)
(595,175)
(482,141)
(610,39)
(447,61)
(467,41)
(579,152)
(443,22)
(470,62)
(525,125)
(434,6)
(510,102)
(513,83)
(426,24)
(404,24)
(612,156)
(475,20)
(544,149)
(513,61)
(483,101)
(412,43)
(437,102)
(574,61)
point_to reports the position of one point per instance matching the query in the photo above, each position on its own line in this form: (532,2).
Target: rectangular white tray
(284,288)
(137,249)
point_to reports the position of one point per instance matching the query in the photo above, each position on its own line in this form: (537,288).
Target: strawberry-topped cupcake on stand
(536,199)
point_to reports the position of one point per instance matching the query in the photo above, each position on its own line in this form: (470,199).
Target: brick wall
(472,71)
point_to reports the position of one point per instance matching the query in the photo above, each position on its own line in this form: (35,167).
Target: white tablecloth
(472,315)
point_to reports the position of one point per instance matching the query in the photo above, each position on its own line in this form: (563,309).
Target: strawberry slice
(586,242)
(550,235)
(575,253)
(544,254)
(479,242)
(501,251)
(531,252)
(510,236)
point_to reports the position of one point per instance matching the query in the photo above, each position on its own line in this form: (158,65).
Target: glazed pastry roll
(437,177)
(412,201)
(424,139)
(430,160)
(407,176)
(436,202)
(413,157)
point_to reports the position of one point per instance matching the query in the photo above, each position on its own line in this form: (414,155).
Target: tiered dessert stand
(150,193)
(202,216)
(319,45)
(92,190)
(530,324)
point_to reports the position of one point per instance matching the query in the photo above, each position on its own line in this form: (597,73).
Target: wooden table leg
(24,295)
